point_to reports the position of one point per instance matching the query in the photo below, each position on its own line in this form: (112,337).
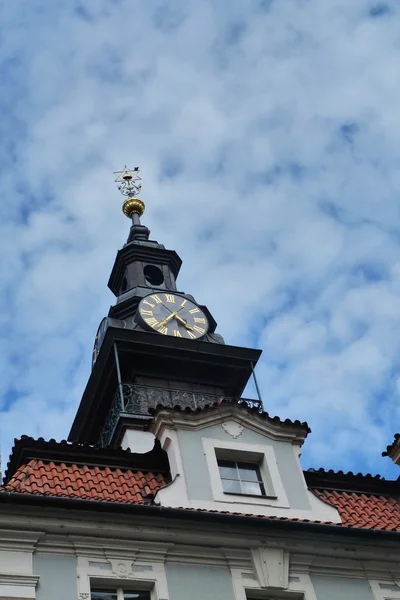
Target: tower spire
(133,207)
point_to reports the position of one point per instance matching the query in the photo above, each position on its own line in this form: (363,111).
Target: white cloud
(268,138)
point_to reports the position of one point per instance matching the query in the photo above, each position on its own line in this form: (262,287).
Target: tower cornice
(143,354)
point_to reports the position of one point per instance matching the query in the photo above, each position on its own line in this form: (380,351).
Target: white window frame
(380,593)
(121,573)
(245,584)
(263,454)
(120,589)
(17,580)
(264,488)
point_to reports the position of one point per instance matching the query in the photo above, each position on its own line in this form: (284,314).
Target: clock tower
(157,345)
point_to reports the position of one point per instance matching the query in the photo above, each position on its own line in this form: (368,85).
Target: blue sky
(268,137)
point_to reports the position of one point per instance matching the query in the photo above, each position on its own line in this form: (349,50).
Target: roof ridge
(241,403)
(391,446)
(346,474)
(27,448)
(351,482)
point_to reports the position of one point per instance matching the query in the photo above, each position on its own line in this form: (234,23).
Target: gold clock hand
(167,319)
(185,323)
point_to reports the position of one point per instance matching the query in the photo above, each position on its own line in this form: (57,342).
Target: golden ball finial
(133,205)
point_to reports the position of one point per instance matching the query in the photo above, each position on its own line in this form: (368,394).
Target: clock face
(99,339)
(174,315)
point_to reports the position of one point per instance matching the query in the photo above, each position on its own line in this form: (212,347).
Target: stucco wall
(338,588)
(196,470)
(58,580)
(198,583)
(57,577)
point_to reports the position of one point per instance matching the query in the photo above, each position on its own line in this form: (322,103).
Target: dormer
(228,457)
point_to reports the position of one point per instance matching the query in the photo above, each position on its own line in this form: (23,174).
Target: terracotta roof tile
(61,469)
(364,511)
(92,483)
(357,509)
(27,448)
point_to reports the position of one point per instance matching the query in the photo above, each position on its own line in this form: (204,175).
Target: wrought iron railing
(137,399)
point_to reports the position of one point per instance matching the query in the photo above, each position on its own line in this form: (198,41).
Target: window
(244,474)
(153,275)
(385,590)
(119,594)
(241,478)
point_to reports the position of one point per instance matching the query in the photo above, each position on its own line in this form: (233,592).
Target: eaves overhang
(239,522)
(147,354)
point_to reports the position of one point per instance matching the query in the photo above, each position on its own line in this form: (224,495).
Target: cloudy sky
(268,136)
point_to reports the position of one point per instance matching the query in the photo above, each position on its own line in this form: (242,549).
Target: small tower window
(153,275)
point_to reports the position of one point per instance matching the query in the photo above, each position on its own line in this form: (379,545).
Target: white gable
(197,443)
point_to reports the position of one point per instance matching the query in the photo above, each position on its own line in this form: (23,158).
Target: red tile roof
(364,511)
(357,510)
(85,483)
(27,448)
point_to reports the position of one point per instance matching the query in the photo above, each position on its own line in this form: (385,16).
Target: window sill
(261,497)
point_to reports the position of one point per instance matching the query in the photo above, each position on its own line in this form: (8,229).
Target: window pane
(137,596)
(248,487)
(103,595)
(249,472)
(227,469)
(230,486)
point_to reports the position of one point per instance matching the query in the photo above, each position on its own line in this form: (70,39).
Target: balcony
(138,399)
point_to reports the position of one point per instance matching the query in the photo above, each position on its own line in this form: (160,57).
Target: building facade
(171,485)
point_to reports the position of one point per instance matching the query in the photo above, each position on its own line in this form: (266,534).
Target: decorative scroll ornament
(121,568)
(232,428)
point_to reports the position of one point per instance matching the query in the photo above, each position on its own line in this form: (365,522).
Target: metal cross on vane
(128,178)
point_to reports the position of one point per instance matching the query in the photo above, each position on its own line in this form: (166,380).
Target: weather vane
(128,186)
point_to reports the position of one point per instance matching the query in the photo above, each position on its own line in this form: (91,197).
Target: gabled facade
(172,486)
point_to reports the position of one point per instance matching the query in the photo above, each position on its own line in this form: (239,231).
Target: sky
(268,137)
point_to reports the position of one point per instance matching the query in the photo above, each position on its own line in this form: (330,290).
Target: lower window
(120,594)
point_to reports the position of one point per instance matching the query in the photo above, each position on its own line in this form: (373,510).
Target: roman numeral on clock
(199,320)
(169,298)
(147,312)
(148,303)
(163,330)
(152,322)
(199,329)
(194,310)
